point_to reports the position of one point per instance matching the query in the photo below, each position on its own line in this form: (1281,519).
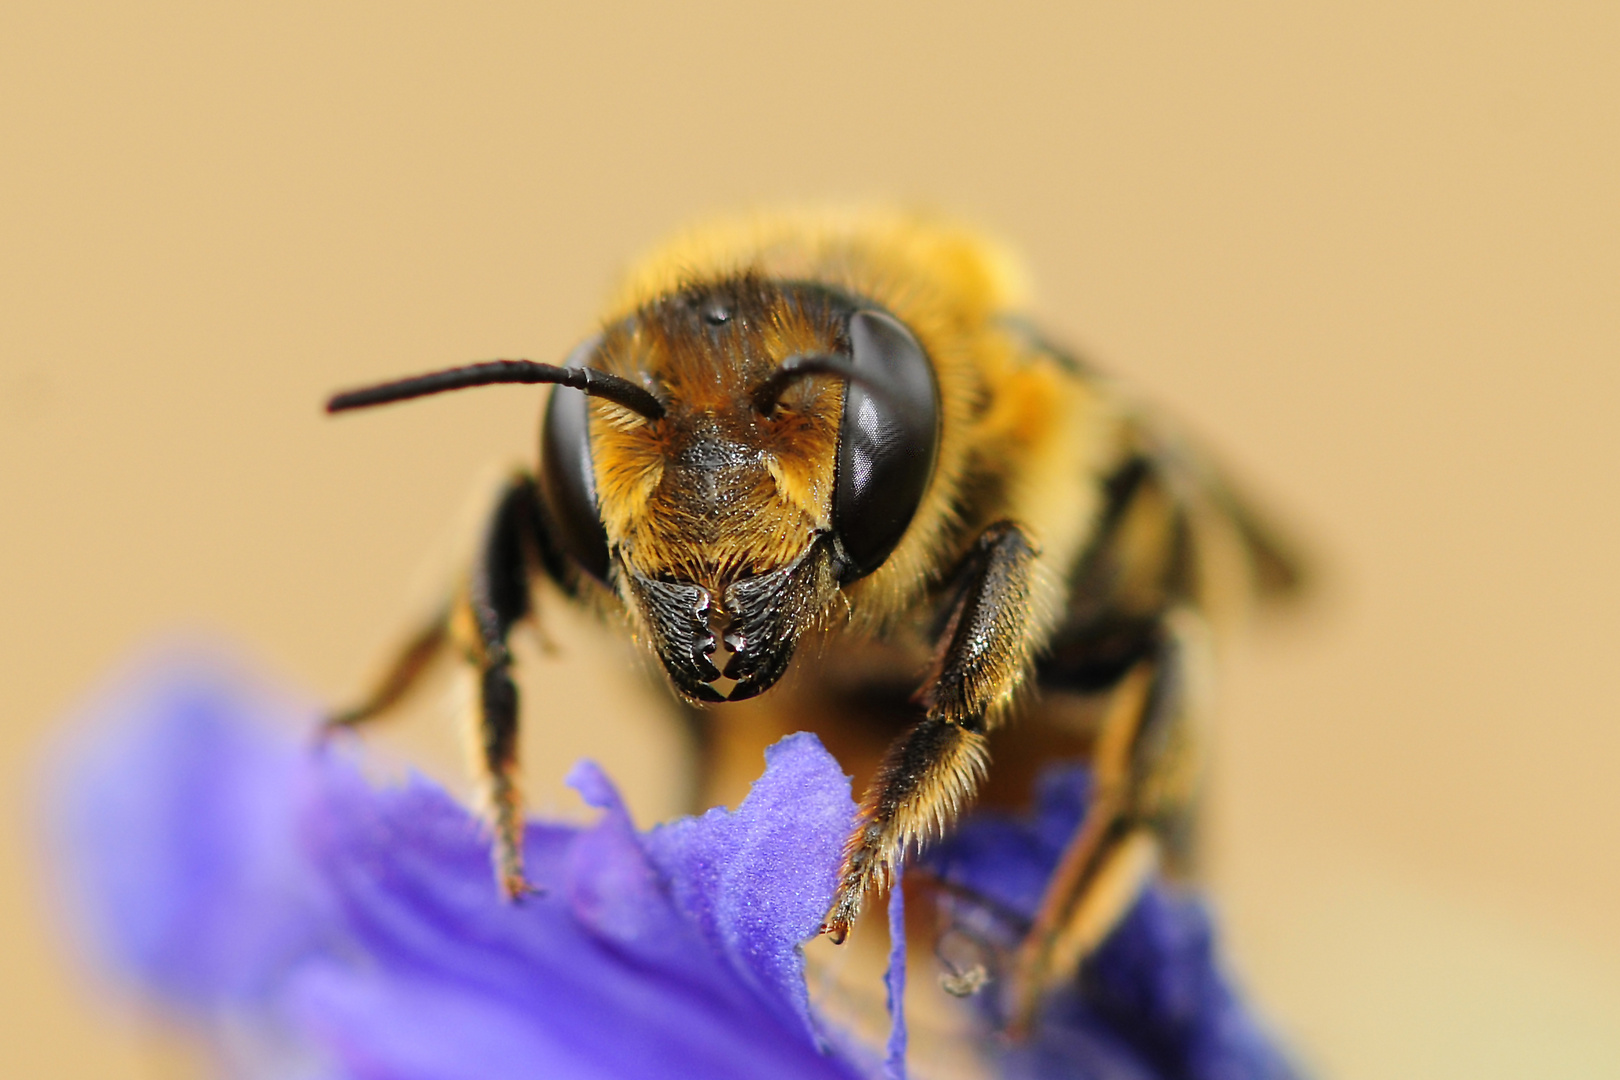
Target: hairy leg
(931,771)
(495,597)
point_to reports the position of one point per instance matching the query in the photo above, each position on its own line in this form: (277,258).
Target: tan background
(1373,255)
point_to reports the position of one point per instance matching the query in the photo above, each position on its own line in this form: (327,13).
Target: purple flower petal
(1151,1002)
(756,882)
(351,931)
(224,867)
(604,974)
(894,1060)
(174,822)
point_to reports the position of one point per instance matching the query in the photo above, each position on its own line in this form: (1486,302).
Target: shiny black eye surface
(567,477)
(888,443)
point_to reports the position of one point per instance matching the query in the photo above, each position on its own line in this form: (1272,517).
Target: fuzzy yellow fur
(953,287)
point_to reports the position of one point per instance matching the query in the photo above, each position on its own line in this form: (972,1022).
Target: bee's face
(737,513)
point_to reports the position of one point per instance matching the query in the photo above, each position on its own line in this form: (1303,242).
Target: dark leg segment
(933,770)
(497,598)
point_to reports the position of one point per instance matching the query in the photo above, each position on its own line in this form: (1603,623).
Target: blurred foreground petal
(234,871)
(175,821)
(317,925)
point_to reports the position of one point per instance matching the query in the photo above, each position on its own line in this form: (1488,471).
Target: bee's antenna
(805,366)
(591,381)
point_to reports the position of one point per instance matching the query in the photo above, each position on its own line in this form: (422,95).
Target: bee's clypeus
(842,427)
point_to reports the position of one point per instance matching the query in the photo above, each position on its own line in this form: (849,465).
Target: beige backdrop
(1374,256)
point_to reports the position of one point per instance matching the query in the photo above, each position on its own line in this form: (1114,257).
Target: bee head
(798,434)
(725,459)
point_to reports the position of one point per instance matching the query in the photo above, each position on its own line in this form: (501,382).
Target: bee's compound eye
(888,442)
(568,479)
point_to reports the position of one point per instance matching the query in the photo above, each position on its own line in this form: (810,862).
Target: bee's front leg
(934,769)
(495,597)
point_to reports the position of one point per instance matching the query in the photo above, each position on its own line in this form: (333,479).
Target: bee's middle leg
(403,674)
(929,773)
(1144,768)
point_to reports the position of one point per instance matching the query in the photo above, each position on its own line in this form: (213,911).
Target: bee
(834,443)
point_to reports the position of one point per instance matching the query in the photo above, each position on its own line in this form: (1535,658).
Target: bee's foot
(845,907)
(517,888)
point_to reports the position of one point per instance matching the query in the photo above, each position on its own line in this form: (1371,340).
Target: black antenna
(806,366)
(591,381)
